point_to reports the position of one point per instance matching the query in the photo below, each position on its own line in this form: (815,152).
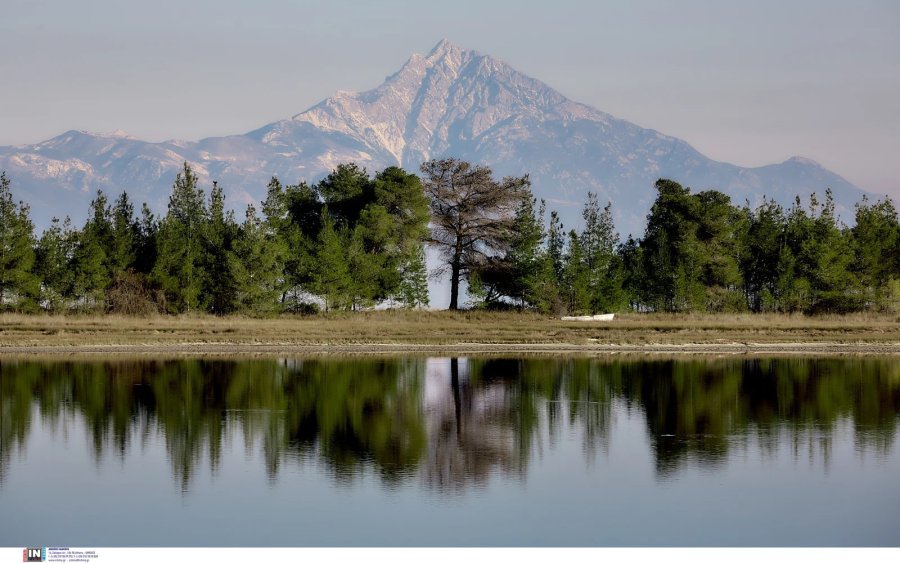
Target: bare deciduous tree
(472,215)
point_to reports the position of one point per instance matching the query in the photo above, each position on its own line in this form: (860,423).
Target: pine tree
(543,282)
(835,285)
(124,236)
(763,249)
(293,214)
(599,241)
(876,249)
(91,263)
(19,287)
(91,276)
(403,229)
(366,269)
(413,289)
(525,254)
(576,277)
(556,242)
(146,250)
(179,265)
(219,287)
(257,264)
(332,281)
(53,265)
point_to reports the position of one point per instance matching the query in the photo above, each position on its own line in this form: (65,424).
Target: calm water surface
(444,452)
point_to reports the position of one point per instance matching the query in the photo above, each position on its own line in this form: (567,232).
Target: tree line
(701,253)
(347,242)
(352,241)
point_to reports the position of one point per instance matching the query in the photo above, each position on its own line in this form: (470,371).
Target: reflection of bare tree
(469,437)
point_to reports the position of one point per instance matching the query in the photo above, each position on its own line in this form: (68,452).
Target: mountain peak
(803,160)
(443,47)
(117,134)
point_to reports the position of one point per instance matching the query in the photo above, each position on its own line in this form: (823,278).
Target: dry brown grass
(443,328)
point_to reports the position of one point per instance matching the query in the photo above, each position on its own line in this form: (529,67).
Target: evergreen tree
(835,285)
(764,245)
(366,266)
(293,216)
(876,250)
(413,289)
(53,265)
(91,259)
(556,242)
(670,251)
(179,265)
(124,236)
(219,287)
(721,232)
(146,250)
(576,277)
(633,276)
(599,242)
(345,192)
(543,283)
(19,287)
(525,254)
(257,264)
(399,213)
(332,279)
(91,276)
(691,251)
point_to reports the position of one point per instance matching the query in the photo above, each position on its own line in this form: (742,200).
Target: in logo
(34,554)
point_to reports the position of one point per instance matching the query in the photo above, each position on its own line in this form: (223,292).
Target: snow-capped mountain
(451,102)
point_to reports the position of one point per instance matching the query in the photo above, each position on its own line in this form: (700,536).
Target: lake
(410,451)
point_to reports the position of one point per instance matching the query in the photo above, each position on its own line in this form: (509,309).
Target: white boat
(603,317)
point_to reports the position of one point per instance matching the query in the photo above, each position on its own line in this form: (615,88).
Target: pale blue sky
(745,82)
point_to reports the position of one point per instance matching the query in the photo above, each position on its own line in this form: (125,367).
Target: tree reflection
(699,410)
(450,424)
(469,434)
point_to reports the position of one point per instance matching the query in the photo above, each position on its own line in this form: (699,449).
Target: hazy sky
(750,83)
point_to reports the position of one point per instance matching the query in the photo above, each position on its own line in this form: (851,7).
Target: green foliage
(54,254)
(413,289)
(257,266)
(180,245)
(332,280)
(375,228)
(292,216)
(90,271)
(602,263)
(876,251)
(691,251)
(219,285)
(576,277)
(124,236)
(19,287)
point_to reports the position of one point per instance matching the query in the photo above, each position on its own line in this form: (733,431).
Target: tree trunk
(455,268)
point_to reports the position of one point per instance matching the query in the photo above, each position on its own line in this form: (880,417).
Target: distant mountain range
(451,102)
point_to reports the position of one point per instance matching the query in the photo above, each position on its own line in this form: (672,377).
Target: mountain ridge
(450,102)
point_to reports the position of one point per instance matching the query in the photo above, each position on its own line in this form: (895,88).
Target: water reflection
(450,424)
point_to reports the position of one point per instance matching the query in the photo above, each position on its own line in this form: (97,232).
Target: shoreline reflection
(450,424)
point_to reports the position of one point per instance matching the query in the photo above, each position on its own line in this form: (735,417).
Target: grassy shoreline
(437,331)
